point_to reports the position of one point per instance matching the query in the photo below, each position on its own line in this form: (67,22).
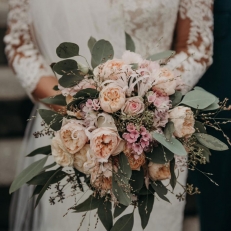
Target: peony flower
(104,142)
(149,66)
(73,136)
(166,83)
(183,120)
(59,152)
(133,106)
(130,57)
(80,158)
(159,171)
(112,98)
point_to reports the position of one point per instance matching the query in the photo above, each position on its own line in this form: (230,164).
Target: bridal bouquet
(124,129)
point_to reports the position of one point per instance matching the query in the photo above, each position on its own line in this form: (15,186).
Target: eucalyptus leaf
(160,155)
(67,50)
(199,127)
(173,175)
(89,204)
(49,166)
(130,45)
(212,107)
(68,81)
(27,174)
(169,130)
(56,100)
(137,179)
(125,223)
(43,177)
(145,191)
(145,206)
(56,88)
(51,118)
(65,66)
(119,209)
(198,99)
(176,98)
(211,142)
(102,51)
(174,145)
(37,190)
(45,187)
(46,150)
(124,166)
(105,215)
(91,42)
(161,55)
(160,189)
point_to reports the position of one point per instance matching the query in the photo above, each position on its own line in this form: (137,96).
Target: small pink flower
(95,104)
(131,127)
(144,143)
(143,131)
(146,137)
(137,148)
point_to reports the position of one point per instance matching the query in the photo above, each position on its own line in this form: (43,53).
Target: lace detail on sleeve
(193,40)
(22,54)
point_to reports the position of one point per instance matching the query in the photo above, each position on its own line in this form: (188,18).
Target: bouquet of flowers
(125,127)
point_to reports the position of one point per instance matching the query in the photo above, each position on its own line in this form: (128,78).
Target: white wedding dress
(37,27)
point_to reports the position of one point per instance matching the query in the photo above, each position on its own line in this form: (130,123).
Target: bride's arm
(33,72)
(193,40)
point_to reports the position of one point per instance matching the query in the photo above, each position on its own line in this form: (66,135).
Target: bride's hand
(44,89)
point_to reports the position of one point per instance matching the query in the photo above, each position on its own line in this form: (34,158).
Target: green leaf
(169,130)
(137,180)
(37,190)
(125,223)
(145,206)
(102,51)
(27,174)
(119,209)
(145,191)
(212,107)
(176,98)
(134,66)
(161,55)
(198,99)
(199,127)
(205,151)
(173,175)
(105,214)
(124,166)
(130,45)
(43,177)
(211,142)
(160,189)
(90,203)
(160,155)
(57,100)
(173,145)
(51,118)
(67,50)
(56,88)
(65,66)
(91,42)
(45,187)
(49,166)
(46,150)
(68,81)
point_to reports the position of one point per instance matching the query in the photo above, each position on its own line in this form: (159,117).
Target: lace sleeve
(23,56)
(193,40)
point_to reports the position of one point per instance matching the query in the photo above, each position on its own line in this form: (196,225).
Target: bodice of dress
(37,27)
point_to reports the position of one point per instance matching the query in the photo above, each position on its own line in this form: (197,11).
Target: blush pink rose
(73,136)
(133,106)
(183,120)
(104,142)
(112,98)
(167,82)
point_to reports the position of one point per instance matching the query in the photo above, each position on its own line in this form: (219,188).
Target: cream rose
(166,83)
(59,152)
(80,158)
(159,171)
(112,98)
(133,106)
(73,136)
(130,57)
(183,120)
(104,142)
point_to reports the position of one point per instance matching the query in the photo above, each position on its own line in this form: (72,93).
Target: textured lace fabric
(22,53)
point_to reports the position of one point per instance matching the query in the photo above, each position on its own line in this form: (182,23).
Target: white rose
(59,152)
(73,136)
(130,57)
(159,171)
(112,98)
(183,120)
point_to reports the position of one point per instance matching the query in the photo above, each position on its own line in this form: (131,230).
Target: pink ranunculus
(133,106)
(104,142)
(112,98)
